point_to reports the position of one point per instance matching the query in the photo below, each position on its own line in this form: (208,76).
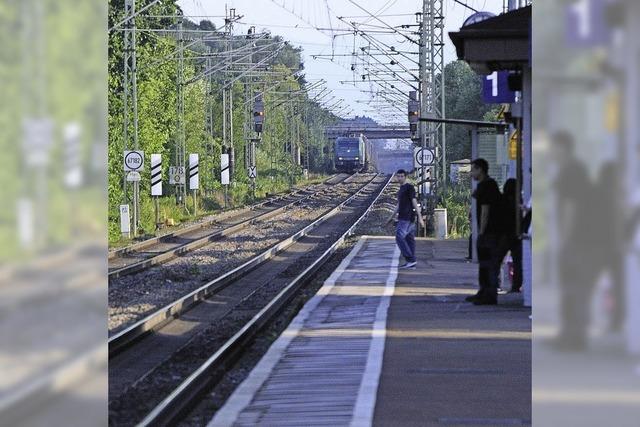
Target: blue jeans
(406,240)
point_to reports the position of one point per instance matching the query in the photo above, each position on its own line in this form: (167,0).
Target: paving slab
(388,347)
(448,362)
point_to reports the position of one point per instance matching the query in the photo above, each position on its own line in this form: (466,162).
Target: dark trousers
(489,261)
(577,283)
(514,245)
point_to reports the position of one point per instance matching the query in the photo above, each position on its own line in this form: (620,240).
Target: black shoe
(515,291)
(472,298)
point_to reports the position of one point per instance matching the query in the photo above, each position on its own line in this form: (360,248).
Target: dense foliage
(457,201)
(463,100)
(300,121)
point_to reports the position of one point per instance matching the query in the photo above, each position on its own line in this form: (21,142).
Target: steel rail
(225,214)
(202,241)
(178,402)
(122,339)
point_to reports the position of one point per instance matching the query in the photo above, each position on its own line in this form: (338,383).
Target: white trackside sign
(125,221)
(194,177)
(156,175)
(224,169)
(176,175)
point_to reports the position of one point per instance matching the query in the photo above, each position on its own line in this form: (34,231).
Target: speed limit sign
(133,161)
(423,157)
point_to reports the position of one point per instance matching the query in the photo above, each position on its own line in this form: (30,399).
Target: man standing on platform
(490,233)
(407,209)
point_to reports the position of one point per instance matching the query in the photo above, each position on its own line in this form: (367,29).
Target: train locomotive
(350,154)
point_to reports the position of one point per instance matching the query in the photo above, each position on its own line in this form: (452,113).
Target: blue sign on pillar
(586,23)
(495,88)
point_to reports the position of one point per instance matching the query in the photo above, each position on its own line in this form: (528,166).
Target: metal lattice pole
(432,85)
(246,122)
(292,130)
(424,127)
(130,95)
(308,134)
(181,189)
(209,114)
(297,146)
(250,137)
(432,103)
(227,93)
(437,62)
(248,114)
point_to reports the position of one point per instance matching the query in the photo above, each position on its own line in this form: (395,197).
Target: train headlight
(357,158)
(339,158)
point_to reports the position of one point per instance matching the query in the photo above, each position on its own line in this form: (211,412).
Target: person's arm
(394,213)
(484,219)
(414,202)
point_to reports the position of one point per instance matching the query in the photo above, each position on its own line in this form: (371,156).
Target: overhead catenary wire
(186,47)
(466,5)
(381,21)
(127,18)
(319,17)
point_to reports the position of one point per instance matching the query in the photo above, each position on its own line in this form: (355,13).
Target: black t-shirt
(405,208)
(574,188)
(488,193)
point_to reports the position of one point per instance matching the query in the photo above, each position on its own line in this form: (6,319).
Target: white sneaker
(408,265)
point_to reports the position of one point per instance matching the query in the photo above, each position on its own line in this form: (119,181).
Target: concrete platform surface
(378,346)
(448,362)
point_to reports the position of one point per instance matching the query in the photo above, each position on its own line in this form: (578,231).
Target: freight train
(350,154)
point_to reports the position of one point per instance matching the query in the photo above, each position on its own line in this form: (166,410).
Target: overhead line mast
(181,189)
(130,99)
(432,99)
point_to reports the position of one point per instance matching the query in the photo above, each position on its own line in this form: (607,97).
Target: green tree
(463,98)
(289,118)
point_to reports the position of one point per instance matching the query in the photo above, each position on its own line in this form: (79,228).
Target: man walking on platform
(407,209)
(490,233)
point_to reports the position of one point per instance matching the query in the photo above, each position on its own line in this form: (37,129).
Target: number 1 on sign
(582,10)
(493,77)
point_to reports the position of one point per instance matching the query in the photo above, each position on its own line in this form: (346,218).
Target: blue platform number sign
(586,23)
(495,88)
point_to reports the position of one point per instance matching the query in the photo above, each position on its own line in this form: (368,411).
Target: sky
(314,26)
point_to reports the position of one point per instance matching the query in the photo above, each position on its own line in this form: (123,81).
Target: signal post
(258,121)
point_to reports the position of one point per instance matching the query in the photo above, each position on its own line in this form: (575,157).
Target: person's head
(562,146)
(509,189)
(479,169)
(401,176)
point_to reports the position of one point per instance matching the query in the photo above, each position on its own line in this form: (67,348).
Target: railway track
(161,363)
(131,297)
(158,250)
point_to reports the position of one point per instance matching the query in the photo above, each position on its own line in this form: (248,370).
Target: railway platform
(388,347)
